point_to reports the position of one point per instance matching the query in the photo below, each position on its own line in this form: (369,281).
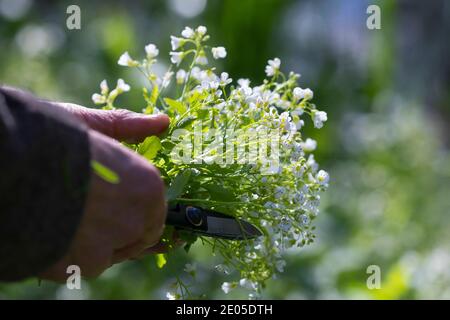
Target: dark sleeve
(44,177)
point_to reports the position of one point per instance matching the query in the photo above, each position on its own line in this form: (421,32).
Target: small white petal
(308,94)
(309,145)
(219,52)
(166,79)
(202,59)
(172,296)
(247,284)
(227,287)
(176,57)
(244,83)
(176,42)
(272,67)
(104,87)
(319,117)
(181,76)
(126,60)
(201,30)
(225,79)
(98,98)
(122,86)
(323,177)
(187,33)
(151,50)
(298,93)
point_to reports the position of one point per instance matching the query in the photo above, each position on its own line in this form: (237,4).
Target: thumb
(120,124)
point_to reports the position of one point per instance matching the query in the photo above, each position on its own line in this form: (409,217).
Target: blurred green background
(385,145)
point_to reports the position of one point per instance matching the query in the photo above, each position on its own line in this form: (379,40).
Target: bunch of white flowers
(281,199)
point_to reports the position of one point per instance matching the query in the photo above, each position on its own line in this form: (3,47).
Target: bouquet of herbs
(234,148)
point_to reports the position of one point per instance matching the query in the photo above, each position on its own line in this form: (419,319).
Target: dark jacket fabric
(44,177)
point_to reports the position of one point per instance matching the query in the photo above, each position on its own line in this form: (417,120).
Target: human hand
(120,221)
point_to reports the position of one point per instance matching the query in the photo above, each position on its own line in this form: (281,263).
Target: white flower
(300,93)
(309,145)
(298,111)
(176,42)
(298,147)
(166,79)
(284,104)
(247,284)
(201,30)
(172,296)
(272,67)
(98,98)
(181,76)
(209,85)
(214,85)
(126,60)
(319,117)
(285,119)
(104,87)
(308,94)
(224,79)
(298,170)
(269,96)
(151,50)
(286,141)
(219,52)
(304,219)
(201,59)
(298,197)
(244,83)
(187,33)
(311,162)
(228,286)
(176,57)
(220,106)
(196,73)
(323,177)
(122,86)
(299,124)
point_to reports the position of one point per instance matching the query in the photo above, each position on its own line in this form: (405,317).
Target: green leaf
(219,192)
(189,238)
(203,114)
(105,173)
(150,147)
(183,123)
(160,260)
(196,97)
(178,185)
(176,105)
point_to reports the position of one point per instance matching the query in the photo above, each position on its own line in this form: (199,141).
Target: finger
(158,248)
(162,247)
(120,124)
(128,252)
(58,271)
